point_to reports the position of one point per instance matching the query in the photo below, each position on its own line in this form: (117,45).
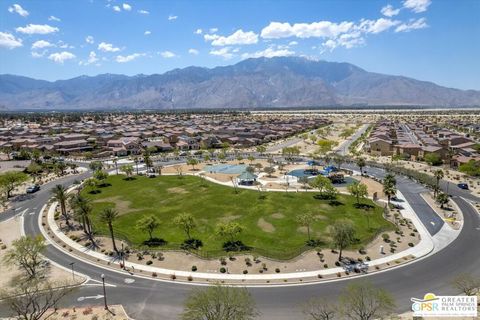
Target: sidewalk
(425,247)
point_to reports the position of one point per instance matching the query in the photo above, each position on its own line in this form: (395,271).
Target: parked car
(463,186)
(33,189)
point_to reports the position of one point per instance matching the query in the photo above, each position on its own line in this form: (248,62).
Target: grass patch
(211,203)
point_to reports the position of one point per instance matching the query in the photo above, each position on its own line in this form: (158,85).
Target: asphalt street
(151,299)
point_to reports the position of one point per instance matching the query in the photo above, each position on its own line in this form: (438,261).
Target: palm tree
(438,175)
(361,164)
(60,194)
(108,216)
(390,191)
(82,209)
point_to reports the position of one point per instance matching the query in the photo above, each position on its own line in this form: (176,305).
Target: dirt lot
(115,312)
(9,231)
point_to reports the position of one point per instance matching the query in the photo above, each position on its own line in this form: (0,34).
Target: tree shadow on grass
(335,203)
(129,178)
(96,191)
(364,206)
(155,242)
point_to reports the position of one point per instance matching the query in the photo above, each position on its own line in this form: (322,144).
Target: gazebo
(246,178)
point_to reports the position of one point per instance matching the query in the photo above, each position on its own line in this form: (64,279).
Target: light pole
(123,257)
(73,272)
(104,291)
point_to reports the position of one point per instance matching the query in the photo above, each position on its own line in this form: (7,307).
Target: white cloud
(377,26)
(167,54)
(347,40)
(417,6)
(143,12)
(41,44)
(60,57)
(225,53)
(239,37)
(171,17)
(92,58)
(64,45)
(198,31)
(107,47)
(123,59)
(37,29)
(18,9)
(389,11)
(321,29)
(292,43)
(53,18)
(148,32)
(126,7)
(116,8)
(9,41)
(213,30)
(269,53)
(89,39)
(36,54)
(412,25)
(193,51)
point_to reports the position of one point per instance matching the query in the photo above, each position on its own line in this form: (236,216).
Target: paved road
(342,149)
(147,299)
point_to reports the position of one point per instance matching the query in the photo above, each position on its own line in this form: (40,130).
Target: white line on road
(98,296)
(129,280)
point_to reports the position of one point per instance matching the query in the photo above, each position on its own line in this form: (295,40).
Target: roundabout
(144,297)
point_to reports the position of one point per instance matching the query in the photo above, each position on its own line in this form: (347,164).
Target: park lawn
(210,203)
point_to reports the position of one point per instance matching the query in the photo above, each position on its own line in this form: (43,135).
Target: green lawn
(210,203)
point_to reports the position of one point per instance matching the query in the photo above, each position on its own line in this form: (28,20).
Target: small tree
(343,235)
(115,162)
(229,230)
(322,184)
(442,199)
(34,299)
(11,180)
(362,301)
(220,303)
(261,149)
(128,169)
(192,162)
(361,164)
(82,209)
(433,159)
(269,171)
(251,159)
(319,309)
(305,220)
(147,160)
(34,169)
(466,284)
(26,253)
(186,222)
(108,216)
(101,176)
(148,224)
(95,165)
(358,190)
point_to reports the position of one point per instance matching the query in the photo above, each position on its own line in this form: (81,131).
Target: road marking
(32,213)
(433,223)
(129,280)
(98,296)
(18,208)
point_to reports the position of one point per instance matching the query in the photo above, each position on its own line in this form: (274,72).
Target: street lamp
(104,291)
(123,257)
(73,272)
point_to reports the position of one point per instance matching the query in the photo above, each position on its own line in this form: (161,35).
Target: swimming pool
(226,168)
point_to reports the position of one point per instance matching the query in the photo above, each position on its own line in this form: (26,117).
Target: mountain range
(280,82)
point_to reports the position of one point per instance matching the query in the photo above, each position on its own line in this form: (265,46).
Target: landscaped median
(244,268)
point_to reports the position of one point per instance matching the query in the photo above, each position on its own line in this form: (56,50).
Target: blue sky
(433,40)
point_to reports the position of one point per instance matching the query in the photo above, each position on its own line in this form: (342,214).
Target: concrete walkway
(428,245)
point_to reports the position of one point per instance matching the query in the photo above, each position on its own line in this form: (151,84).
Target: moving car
(33,189)
(463,186)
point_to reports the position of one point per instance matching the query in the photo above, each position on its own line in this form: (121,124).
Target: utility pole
(104,291)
